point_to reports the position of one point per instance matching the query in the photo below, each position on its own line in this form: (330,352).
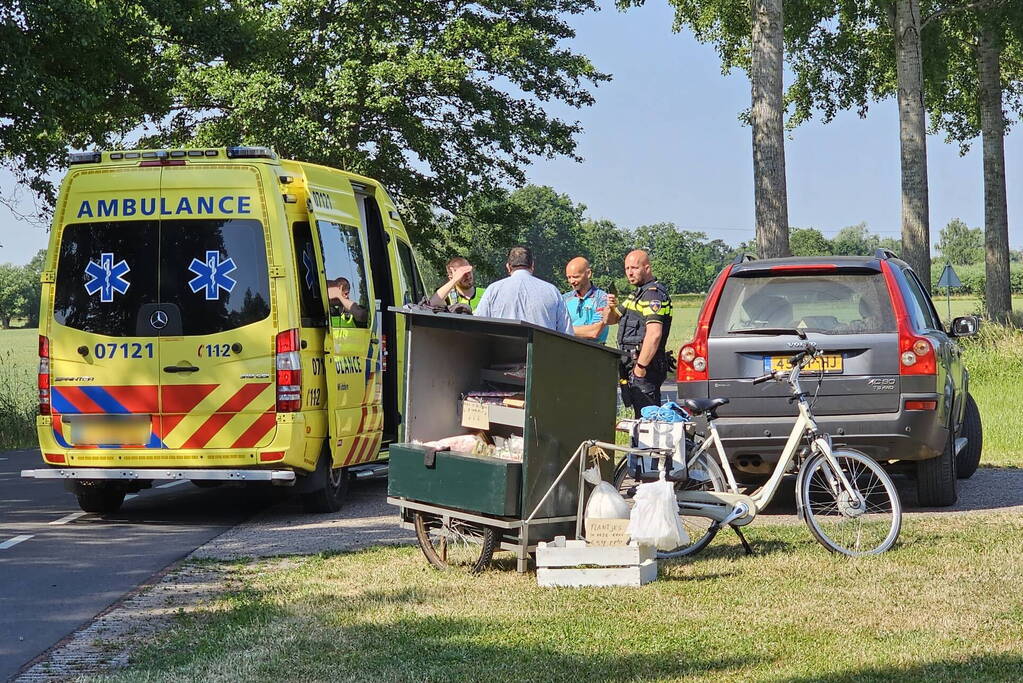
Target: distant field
(18,398)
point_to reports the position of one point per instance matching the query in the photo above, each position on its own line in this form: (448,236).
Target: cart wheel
(456,544)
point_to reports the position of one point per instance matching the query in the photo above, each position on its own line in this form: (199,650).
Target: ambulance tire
(99,497)
(329,486)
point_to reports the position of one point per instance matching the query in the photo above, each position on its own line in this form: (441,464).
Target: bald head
(578,274)
(637,267)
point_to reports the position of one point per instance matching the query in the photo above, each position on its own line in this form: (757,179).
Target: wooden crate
(574,563)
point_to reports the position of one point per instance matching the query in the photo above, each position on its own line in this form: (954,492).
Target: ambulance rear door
(103,363)
(213,318)
(352,341)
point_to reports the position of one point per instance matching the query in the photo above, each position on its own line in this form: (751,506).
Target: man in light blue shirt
(520,296)
(587,305)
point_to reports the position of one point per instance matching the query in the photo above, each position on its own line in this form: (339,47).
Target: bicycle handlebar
(763,378)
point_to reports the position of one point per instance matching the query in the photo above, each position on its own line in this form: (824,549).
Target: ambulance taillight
(383,353)
(44,375)
(289,372)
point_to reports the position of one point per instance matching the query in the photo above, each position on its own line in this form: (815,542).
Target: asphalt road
(59,567)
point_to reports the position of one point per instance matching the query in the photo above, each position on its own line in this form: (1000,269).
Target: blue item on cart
(669,412)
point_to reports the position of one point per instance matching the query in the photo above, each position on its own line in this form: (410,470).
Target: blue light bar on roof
(250,153)
(84,158)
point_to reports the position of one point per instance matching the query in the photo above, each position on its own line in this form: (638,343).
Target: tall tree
(767,120)
(76,73)
(873,50)
(750,34)
(439,100)
(916,248)
(975,73)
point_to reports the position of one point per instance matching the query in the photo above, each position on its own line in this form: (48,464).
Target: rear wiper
(771,330)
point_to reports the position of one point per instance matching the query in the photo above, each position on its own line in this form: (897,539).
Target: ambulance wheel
(99,497)
(329,486)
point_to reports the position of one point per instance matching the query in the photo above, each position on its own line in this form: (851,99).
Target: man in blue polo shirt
(587,306)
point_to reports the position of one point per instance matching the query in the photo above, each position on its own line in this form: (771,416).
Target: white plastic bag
(605,502)
(654,519)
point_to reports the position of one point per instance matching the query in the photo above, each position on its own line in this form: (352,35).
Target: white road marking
(70,518)
(171,483)
(11,542)
(131,495)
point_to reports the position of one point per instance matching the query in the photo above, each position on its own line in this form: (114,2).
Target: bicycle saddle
(704,405)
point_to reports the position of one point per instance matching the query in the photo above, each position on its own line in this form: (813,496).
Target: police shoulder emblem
(655,305)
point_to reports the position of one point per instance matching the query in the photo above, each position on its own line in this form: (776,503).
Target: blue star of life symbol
(212,275)
(307,261)
(106,277)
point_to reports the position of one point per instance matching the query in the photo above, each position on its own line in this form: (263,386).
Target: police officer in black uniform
(644,321)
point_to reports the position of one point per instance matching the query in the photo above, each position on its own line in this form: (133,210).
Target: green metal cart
(462,506)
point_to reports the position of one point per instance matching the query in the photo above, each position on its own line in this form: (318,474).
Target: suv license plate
(831,364)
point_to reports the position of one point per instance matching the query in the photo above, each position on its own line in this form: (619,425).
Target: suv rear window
(830,304)
(213,271)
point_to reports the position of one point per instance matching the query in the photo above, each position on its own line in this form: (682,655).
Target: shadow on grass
(994,667)
(375,636)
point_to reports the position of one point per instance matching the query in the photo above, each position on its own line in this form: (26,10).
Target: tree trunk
(916,245)
(997,294)
(770,195)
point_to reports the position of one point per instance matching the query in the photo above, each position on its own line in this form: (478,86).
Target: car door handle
(180,368)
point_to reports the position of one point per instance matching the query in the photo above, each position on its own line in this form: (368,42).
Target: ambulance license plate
(831,363)
(104,431)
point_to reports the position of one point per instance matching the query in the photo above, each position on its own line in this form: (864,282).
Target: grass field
(935,608)
(19,362)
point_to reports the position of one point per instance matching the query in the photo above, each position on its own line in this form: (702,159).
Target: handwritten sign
(475,415)
(607,532)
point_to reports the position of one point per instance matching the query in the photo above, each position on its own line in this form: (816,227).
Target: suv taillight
(289,372)
(916,353)
(44,375)
(692,358)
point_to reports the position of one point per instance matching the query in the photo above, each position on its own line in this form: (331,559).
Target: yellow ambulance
(220,315)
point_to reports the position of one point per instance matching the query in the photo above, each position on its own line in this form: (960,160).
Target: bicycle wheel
(704,475)
(841,523)
(457,544)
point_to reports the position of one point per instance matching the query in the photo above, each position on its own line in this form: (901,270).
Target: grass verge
(934,608)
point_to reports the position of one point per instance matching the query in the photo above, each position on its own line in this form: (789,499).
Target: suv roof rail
(742,257)
(885,254)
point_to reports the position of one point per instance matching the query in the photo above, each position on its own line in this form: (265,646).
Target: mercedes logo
(158,320)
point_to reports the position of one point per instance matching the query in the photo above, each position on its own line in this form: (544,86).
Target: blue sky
(663,143)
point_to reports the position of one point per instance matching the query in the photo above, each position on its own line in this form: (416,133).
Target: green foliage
(13,287)
(683,260)
(808,242)
(960,244)
(972,277)
(79,72)
(440,101)
(953,88)
(857,240)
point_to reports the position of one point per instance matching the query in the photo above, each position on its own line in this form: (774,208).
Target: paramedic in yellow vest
(343,311)
(461,286)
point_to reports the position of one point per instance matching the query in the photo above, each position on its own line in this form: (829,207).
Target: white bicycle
(846,499)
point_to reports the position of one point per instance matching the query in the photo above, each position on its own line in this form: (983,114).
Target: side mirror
(964,326)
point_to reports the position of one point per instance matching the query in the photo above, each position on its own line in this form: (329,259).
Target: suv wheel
(969,457)
(936,483)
